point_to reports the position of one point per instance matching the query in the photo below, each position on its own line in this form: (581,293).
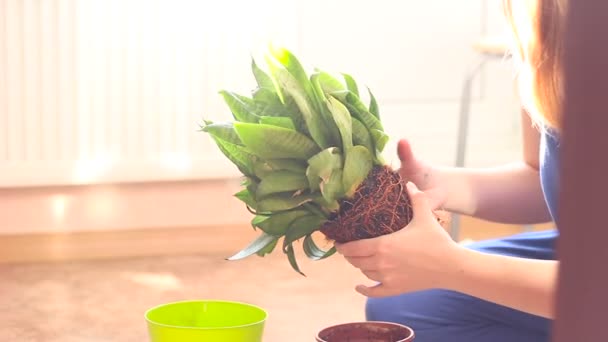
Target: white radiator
(113,90)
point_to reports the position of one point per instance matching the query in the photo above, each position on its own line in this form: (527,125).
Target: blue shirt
(549,169)
(536,244)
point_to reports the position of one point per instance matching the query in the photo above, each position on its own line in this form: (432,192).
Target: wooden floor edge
(102,245)
(217,240)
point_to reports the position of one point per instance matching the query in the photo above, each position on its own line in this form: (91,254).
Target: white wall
(106,91)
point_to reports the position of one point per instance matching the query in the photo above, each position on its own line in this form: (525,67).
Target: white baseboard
(113,207)
(99,172)
(219,241)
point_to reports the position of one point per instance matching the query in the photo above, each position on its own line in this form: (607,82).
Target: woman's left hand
(420,256)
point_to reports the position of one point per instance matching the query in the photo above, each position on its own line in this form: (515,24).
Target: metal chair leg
(463,127)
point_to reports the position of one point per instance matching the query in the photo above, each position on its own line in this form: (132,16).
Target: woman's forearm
(507,194)
(523,284)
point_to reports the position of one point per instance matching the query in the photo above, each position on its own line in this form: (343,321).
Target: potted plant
(366,332)
(310,151)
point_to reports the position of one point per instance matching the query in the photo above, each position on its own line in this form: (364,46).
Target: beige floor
(73,301)
(106,300)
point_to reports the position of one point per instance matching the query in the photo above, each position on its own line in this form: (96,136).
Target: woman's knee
(423,308)
(435,314)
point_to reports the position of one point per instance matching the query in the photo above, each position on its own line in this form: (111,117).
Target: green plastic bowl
(206,320)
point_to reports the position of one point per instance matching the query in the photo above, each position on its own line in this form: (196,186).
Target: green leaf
(351,84)
(277,224)
(279,121)
(318,88)
(293,66)
(380,139)
(281,181)
(301,227)
(267,103)
(252,185)
(261,77)
(246,197)
(343,121)
(358,109)
(291,256)
(272,142)
(373,104)
(246,181)
(280,76)
(287,164)
(315,210)
(329,206)
(267,97)
(262,168)
(224,131)
(237,154)
(321,165)
(313,251)
(282,201)
(258,219)
(357,165)
(333,189)
(255,246)
(324,110)
(361,135)
(302,94)
(242,107)
(268,249)
(327,82)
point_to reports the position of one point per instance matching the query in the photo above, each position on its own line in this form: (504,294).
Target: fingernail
(411,186)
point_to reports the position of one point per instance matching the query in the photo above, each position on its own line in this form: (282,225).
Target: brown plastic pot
(366,332)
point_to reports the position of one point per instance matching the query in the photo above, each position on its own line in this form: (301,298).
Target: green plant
(310,151)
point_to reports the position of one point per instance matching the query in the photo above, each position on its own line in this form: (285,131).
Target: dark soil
(380,206)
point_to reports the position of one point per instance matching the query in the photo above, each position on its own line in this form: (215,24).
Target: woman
(499,290)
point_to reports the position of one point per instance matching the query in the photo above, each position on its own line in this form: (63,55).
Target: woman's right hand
(424,176)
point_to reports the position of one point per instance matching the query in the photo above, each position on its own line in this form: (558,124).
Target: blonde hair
(538,27)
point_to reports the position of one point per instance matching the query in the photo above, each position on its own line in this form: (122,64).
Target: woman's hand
(424,176)
(420,256)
